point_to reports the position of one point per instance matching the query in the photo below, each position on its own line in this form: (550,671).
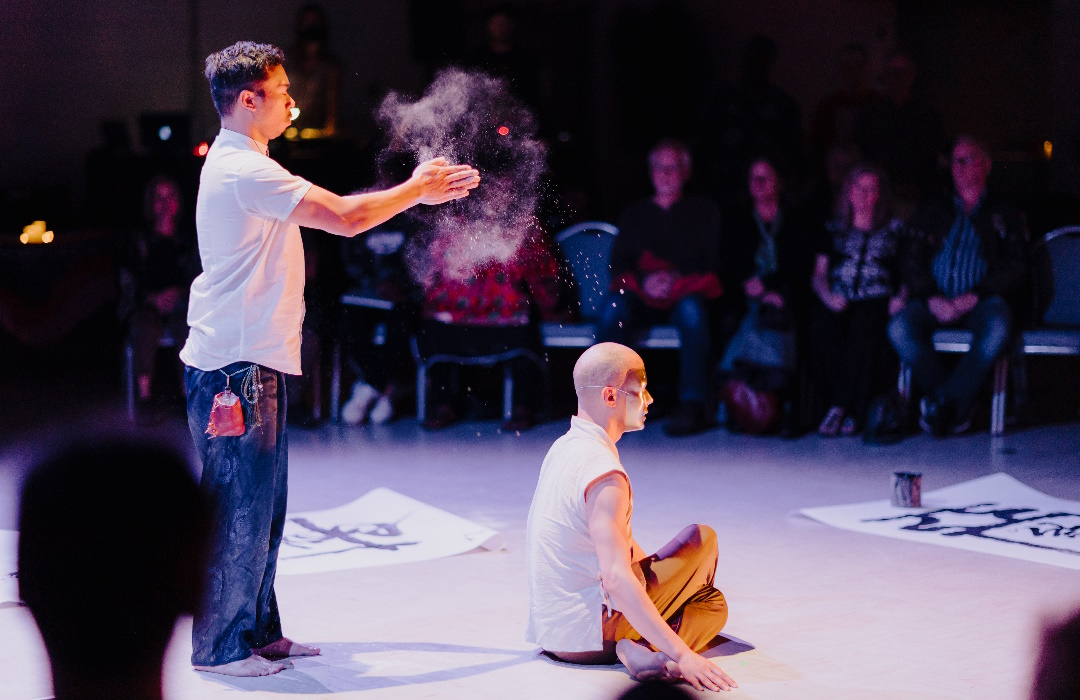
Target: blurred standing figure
(314,74)
(154,281)
(967,264)
(902,133)
(665,268)
(502,56)
(856,278)
(112,545)
(838,114)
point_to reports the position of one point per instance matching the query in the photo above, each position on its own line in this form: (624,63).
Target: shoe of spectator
(521,418)
(688,419)
(443,416)
(382,411)
(961,425)
(849,426)
(938,416)
(832,422)
(356,408)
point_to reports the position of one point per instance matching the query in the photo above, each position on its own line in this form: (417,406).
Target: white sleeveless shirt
(566,595)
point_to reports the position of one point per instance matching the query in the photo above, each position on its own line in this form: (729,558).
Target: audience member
(664,268)
(1057,670)
(112,540)
(376,341)
(856,278)
(766,268)
(902,133)
(486,311)
(155,277)
(594,595)
(966,264)
(314,74)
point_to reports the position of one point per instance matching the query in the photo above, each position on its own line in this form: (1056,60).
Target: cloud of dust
(466,117)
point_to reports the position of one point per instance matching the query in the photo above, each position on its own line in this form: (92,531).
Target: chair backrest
(1057,260)
(587,250)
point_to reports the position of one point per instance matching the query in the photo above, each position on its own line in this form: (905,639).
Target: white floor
(815,612)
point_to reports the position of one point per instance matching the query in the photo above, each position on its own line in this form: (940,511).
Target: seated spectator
(967,262)
(485,311)
(155,279)
(664,265)
(856,279)
(1057,670)
(112,541)
(376,341)
(766,270)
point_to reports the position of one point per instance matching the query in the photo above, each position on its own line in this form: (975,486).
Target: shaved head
(607,364)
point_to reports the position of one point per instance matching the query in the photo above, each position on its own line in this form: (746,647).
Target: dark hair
(672,144)
(973,140)
(112,544)
(882,211)
(239,67)
(1056,673)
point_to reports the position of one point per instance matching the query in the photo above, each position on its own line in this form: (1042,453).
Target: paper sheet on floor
(9,559)
(381,527)
(995,514)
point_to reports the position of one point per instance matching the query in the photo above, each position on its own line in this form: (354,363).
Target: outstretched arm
(607,503)
(433,182)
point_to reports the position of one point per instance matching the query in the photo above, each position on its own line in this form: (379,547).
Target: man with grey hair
(594,596)
(966,268)
(665,269)
(245,316)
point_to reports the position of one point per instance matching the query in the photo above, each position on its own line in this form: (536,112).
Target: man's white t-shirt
(566,596)
(248,303)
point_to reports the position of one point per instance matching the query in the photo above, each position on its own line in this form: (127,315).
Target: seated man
(593,594)
(966,265)
(664,269)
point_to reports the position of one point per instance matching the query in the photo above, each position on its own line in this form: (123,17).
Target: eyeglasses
(636,394)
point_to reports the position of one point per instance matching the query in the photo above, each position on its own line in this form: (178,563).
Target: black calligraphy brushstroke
(929,522)
(336,533)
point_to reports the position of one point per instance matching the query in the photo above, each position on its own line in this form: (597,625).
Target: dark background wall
(1005,68)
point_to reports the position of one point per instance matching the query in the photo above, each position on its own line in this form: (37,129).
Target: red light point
(504,131)
(202,149)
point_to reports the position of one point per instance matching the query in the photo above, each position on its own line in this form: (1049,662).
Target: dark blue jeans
(911,332)
(245,479)
(690,315)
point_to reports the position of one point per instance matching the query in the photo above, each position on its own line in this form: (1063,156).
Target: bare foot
(644,664)
(284,648)
(251,666)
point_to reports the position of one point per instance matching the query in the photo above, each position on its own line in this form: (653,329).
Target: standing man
(245,315)
(593,594)
(966,266)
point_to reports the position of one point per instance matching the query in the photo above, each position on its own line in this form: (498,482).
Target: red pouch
(226,416)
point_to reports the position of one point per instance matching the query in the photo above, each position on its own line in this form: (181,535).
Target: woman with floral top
(856,279)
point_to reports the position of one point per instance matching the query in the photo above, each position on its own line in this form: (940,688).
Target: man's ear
(246,100)
(610,396)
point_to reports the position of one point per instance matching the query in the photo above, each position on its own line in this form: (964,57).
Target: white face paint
(637,405)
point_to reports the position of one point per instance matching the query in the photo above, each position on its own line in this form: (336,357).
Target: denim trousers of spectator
(690,315)
(911,332)
(245,479)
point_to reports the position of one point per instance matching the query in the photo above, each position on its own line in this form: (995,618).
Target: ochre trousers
(680,585)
